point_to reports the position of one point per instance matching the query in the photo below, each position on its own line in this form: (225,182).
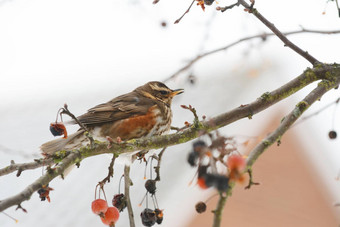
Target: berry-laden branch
(277,32)
(262,36)
(329,74)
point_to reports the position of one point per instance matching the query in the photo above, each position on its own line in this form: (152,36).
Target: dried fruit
(44,193)
(119,201)
(159,216)
(332,134)
(58,129)
(200,207)
(148,217)
(150,186)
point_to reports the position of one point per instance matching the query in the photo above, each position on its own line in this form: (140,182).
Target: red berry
(236,162)
(99,206)
(201,183)
(111,216)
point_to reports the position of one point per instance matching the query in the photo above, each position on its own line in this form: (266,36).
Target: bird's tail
(71,142)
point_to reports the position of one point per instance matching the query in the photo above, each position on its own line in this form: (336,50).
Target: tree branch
(25,166)
(41,181)
(279,34)
(128,183)
(329,74)
(262,36)
(286,123)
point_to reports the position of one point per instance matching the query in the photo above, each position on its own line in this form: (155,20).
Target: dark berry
(200,207)
(148,217)
(208,2)
(199,145)
(220,182)
(58,129)
(150,186)
(202,170)
(163,24)
(159,216)
(332,134)
(192,158)
(119,201)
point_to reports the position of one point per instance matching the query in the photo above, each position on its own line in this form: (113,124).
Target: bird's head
(158,91)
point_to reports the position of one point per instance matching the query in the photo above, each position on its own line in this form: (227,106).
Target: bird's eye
(163,92)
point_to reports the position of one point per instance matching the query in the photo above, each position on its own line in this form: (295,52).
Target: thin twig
(262,36)
(279,34)
(66,111)
(187,11)
(110,172)
(157,168)
(128,183)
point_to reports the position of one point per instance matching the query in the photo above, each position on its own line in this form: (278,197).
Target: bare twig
(219,210)
(278,33)
(262,36)
(25,166)
(66,111)
(157,168)
(187,11)
(222,9)
(128,183)
(110,172)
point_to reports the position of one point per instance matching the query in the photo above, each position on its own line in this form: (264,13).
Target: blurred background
(86,52)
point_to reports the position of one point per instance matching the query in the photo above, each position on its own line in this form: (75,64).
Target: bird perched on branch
(144,112)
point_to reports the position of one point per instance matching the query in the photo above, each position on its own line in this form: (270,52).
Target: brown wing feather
(121,107)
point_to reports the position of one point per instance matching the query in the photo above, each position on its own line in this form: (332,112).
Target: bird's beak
(176,92)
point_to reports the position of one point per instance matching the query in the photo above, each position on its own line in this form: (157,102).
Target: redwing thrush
(143,112)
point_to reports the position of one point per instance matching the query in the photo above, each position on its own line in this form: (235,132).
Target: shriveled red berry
(119,201)
(99,206)
(111,216)
(58,129)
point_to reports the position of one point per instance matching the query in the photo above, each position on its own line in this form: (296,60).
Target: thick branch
(262,36)
(36,185)
(330,74)
(279,34)
(289,120)
(25,166)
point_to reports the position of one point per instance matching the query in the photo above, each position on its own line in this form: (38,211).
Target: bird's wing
(122,107)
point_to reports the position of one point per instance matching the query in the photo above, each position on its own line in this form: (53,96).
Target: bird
(144,112)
